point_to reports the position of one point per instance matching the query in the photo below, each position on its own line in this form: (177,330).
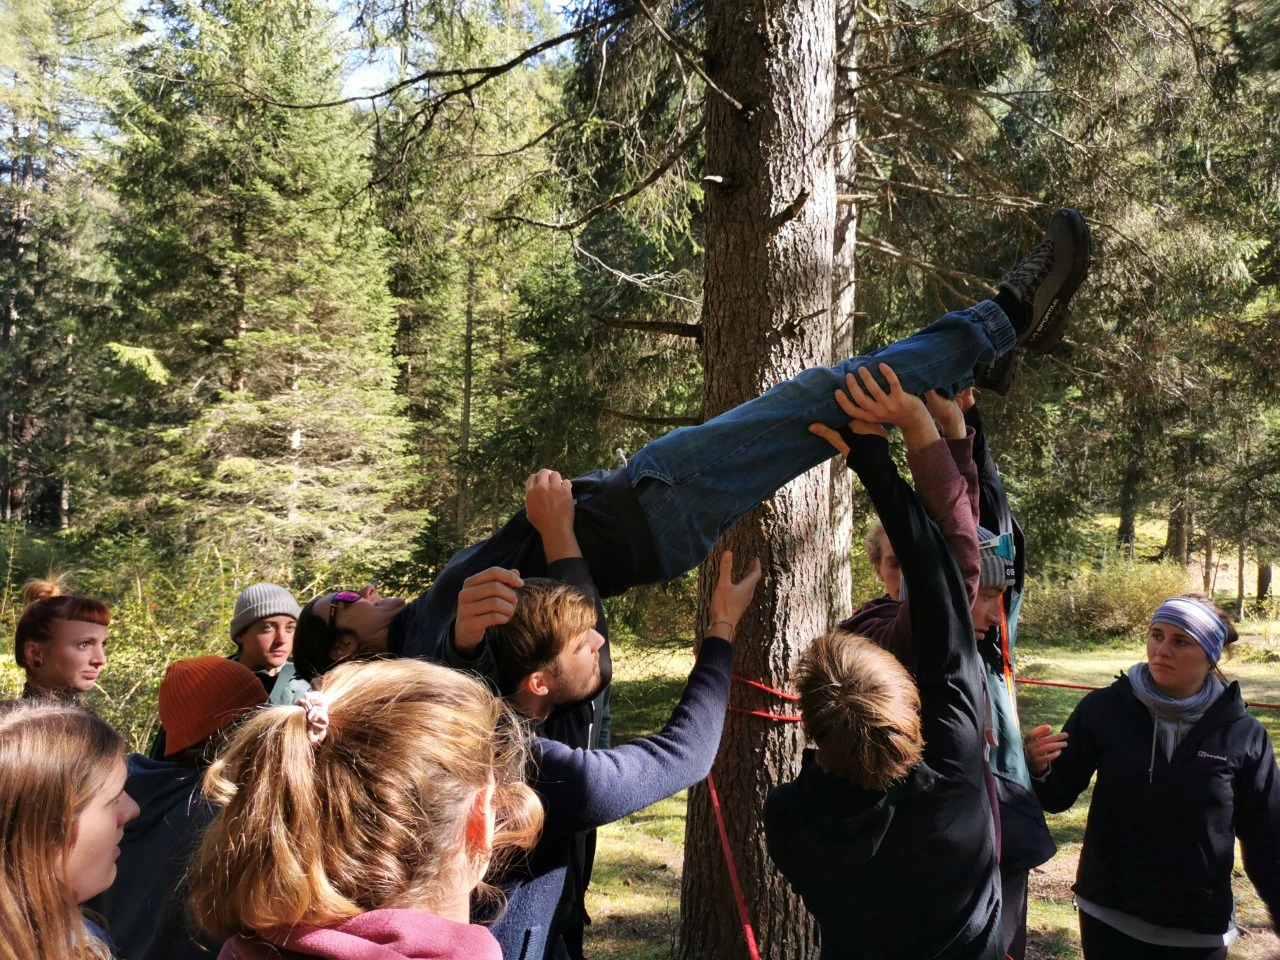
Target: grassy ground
(635,893)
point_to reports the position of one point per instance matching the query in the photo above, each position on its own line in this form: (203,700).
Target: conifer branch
(651,421)
(684,55)
(617,199)
(482,75)
(673,328)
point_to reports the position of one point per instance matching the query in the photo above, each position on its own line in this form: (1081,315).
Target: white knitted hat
(262,600)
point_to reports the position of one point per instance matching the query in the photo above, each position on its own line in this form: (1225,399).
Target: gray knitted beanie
(994,570)
(262,600)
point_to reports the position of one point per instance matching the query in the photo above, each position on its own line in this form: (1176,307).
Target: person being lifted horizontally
(888,834)
(660,515)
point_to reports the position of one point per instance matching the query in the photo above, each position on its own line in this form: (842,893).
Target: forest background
(301,291)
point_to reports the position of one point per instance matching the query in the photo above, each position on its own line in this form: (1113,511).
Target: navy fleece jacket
(583,789)
(145,908)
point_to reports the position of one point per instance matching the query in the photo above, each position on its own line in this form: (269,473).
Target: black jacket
(146,908)
(1160,840)
(617,546)
(911,872)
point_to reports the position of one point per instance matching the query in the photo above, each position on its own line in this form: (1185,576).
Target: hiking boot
(998,376)
(1045,280)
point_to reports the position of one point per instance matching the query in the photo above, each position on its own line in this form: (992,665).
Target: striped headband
(1209,629)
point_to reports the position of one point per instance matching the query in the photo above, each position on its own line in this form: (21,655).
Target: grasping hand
(730,599)
(488,598)
(548,502)
(947,414)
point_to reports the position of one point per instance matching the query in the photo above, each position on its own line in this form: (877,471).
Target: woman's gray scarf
(1173,718)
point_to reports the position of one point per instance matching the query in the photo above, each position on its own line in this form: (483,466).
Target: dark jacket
(952,502)
(615,540)
(911,872)
(583,789)
(145,908)
(1160,841)
(1025,840)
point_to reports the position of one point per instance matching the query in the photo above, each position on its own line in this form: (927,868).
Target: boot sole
(1070,234)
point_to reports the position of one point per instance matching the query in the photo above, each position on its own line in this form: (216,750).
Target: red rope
(1081,686)
(741,901)
(784,717)
(790,697)
(1054,683)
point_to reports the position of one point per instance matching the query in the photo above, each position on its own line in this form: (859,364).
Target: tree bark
(468,377)
(1264,581)
(767,315)
(844,285)
(1126,531)
(1209,561)
(1240,582)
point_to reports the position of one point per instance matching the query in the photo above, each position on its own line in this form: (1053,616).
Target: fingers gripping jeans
(696,482)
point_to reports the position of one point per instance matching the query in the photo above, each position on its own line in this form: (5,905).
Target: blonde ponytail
(372,815)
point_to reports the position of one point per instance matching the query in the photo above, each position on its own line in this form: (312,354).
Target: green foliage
(252,274)
(1112,600)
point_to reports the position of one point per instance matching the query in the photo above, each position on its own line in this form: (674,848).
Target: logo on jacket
(1210,756)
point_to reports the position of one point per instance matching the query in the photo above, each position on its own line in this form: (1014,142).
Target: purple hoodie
(376,935)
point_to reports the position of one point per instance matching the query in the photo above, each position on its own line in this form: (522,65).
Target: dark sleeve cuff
(574,570)
(864,446)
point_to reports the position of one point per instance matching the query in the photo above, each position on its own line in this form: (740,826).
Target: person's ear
(538,683)
(32,655)
(480,826)
(346,646)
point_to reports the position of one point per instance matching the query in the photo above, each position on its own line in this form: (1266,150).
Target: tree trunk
(1125,533)
(843,289)
(1264,581)
(1177,536)
(468,376)
(1209,561)
(766,316)
(1240,583)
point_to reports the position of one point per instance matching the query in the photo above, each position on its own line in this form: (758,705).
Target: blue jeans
(696,482)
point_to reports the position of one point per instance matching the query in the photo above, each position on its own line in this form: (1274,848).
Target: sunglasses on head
(341,597)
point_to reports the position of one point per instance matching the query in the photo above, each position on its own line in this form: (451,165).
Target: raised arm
(581,789)
(947,670)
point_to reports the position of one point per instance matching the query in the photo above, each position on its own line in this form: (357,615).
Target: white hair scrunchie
(316,704)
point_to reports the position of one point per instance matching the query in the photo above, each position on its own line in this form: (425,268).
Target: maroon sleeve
(946,482)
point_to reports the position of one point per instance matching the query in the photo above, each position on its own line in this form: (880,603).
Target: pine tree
(252,271)
(55,281)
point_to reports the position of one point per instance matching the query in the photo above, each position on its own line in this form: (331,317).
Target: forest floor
(634,898)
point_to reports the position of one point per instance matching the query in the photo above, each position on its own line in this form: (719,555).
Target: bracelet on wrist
(731,625)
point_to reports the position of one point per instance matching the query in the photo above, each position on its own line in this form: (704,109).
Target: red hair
(44,602)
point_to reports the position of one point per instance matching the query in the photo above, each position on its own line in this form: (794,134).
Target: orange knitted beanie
(199,697)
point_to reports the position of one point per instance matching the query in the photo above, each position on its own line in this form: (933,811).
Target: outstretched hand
(869,407)
(730,599)
(1042,747)
(948,414)
(857,426)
